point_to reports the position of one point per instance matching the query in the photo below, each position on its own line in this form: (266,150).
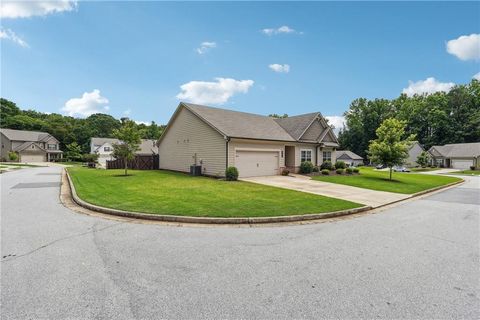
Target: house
(457,155)
(257,145)
(31,146)
(104,148)
(413,152)
(349,157)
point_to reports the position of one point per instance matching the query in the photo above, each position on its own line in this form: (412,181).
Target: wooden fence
(140,162)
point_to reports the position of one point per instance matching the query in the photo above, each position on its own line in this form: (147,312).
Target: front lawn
(164,192)
(403,182)
(467,172)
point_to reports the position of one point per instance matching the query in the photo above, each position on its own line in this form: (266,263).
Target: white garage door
(256,163)
(462,164)
(32,157)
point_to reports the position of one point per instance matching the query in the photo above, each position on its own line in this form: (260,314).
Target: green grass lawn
(403,182)
(423,169)
(467,172)
(164,192)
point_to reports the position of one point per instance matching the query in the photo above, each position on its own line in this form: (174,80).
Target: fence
(140,162)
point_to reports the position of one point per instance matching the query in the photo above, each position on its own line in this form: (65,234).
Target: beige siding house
(456,155)
(257,145)
(413,153)
(31,146)
(104,148)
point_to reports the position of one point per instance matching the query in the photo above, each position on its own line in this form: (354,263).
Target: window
(327,156)
(107,149)
(51,146)
(305,155)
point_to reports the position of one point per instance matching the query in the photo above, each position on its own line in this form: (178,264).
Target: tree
(74,151)
(390,148)
(423,159)
(130,140)
(277,116)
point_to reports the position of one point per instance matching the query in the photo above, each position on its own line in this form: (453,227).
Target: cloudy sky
(141,59)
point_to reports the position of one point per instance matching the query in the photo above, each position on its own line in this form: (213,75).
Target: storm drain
(36,185)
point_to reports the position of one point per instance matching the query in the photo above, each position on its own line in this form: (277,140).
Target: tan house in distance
(31,146)
(257,145)
(456,155)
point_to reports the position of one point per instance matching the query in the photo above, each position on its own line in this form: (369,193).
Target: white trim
(311,154)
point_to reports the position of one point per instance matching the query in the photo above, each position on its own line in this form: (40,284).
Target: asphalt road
(416,260)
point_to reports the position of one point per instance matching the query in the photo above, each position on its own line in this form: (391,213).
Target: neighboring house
(413,153)
(457,155)
(104,148)
(257,145)
(31,146)
(349,157)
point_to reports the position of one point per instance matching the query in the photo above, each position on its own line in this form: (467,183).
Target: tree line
(434,119)
(69,129)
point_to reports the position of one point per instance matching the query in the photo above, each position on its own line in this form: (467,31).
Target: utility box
(195,170)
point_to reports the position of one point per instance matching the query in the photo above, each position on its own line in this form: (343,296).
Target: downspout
(227,140)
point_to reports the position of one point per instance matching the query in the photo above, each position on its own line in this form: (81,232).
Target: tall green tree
(130,140)
(74,152)
(423,159)
(391,147)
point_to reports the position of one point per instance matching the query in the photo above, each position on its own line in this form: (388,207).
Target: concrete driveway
(305,184)
(418,260)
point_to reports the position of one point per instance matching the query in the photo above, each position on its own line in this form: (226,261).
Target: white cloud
(218,92)
(143,122)
(25,9)
(337,121)
(282,29)
(206,46)
(476,76)
(127,112)
(88,104)
(280,68)
(465,47)
(428,86)
(8,34)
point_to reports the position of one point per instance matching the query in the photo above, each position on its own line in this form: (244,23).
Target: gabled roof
(22,135)
(458,150)
(297,125)
(349,154)
(147,146)
(26,145)
(235,124)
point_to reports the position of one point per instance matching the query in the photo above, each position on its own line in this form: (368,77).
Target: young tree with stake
(130,141)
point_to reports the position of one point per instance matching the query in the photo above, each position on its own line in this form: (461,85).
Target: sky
(140,59)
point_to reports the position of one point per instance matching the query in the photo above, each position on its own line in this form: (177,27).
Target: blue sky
(139,58)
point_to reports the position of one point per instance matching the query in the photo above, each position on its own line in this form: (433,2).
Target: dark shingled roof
(459,150)
(22,135)
(349,154)
(296,125)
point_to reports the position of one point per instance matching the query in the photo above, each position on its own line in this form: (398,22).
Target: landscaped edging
(207,220)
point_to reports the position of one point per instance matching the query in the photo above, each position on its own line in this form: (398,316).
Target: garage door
(462,164)
(256,163)
(32,157)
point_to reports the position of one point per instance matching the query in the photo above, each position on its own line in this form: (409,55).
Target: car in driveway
(401,169)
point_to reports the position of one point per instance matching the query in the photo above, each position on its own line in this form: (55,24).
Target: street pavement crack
(93,230)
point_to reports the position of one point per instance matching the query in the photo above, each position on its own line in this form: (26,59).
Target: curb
(420,193)
(207,220)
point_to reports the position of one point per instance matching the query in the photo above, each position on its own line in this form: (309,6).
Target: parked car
(400,169)
(380,166)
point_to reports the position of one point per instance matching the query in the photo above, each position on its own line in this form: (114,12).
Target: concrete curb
(207,220)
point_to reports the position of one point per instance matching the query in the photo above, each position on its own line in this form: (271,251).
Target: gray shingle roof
(237,124)
(459,150)
(296,125)
(25,145)
(22,135)
(349,154)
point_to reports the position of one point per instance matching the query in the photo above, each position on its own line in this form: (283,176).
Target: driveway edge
(205,220)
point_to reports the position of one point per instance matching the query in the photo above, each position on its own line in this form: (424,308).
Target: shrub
(231,174)
(472,168)
(360,165)
(316,169)
(306,167)
(12,156)
(433,166)
(349,170)
(340,165)
(340,171)
(326,165)
(356,170)
(90,158)
(325,172)
(285,172)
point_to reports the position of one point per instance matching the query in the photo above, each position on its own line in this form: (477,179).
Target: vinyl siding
(6,146)
(413,153)
(298,156)
(188,135)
